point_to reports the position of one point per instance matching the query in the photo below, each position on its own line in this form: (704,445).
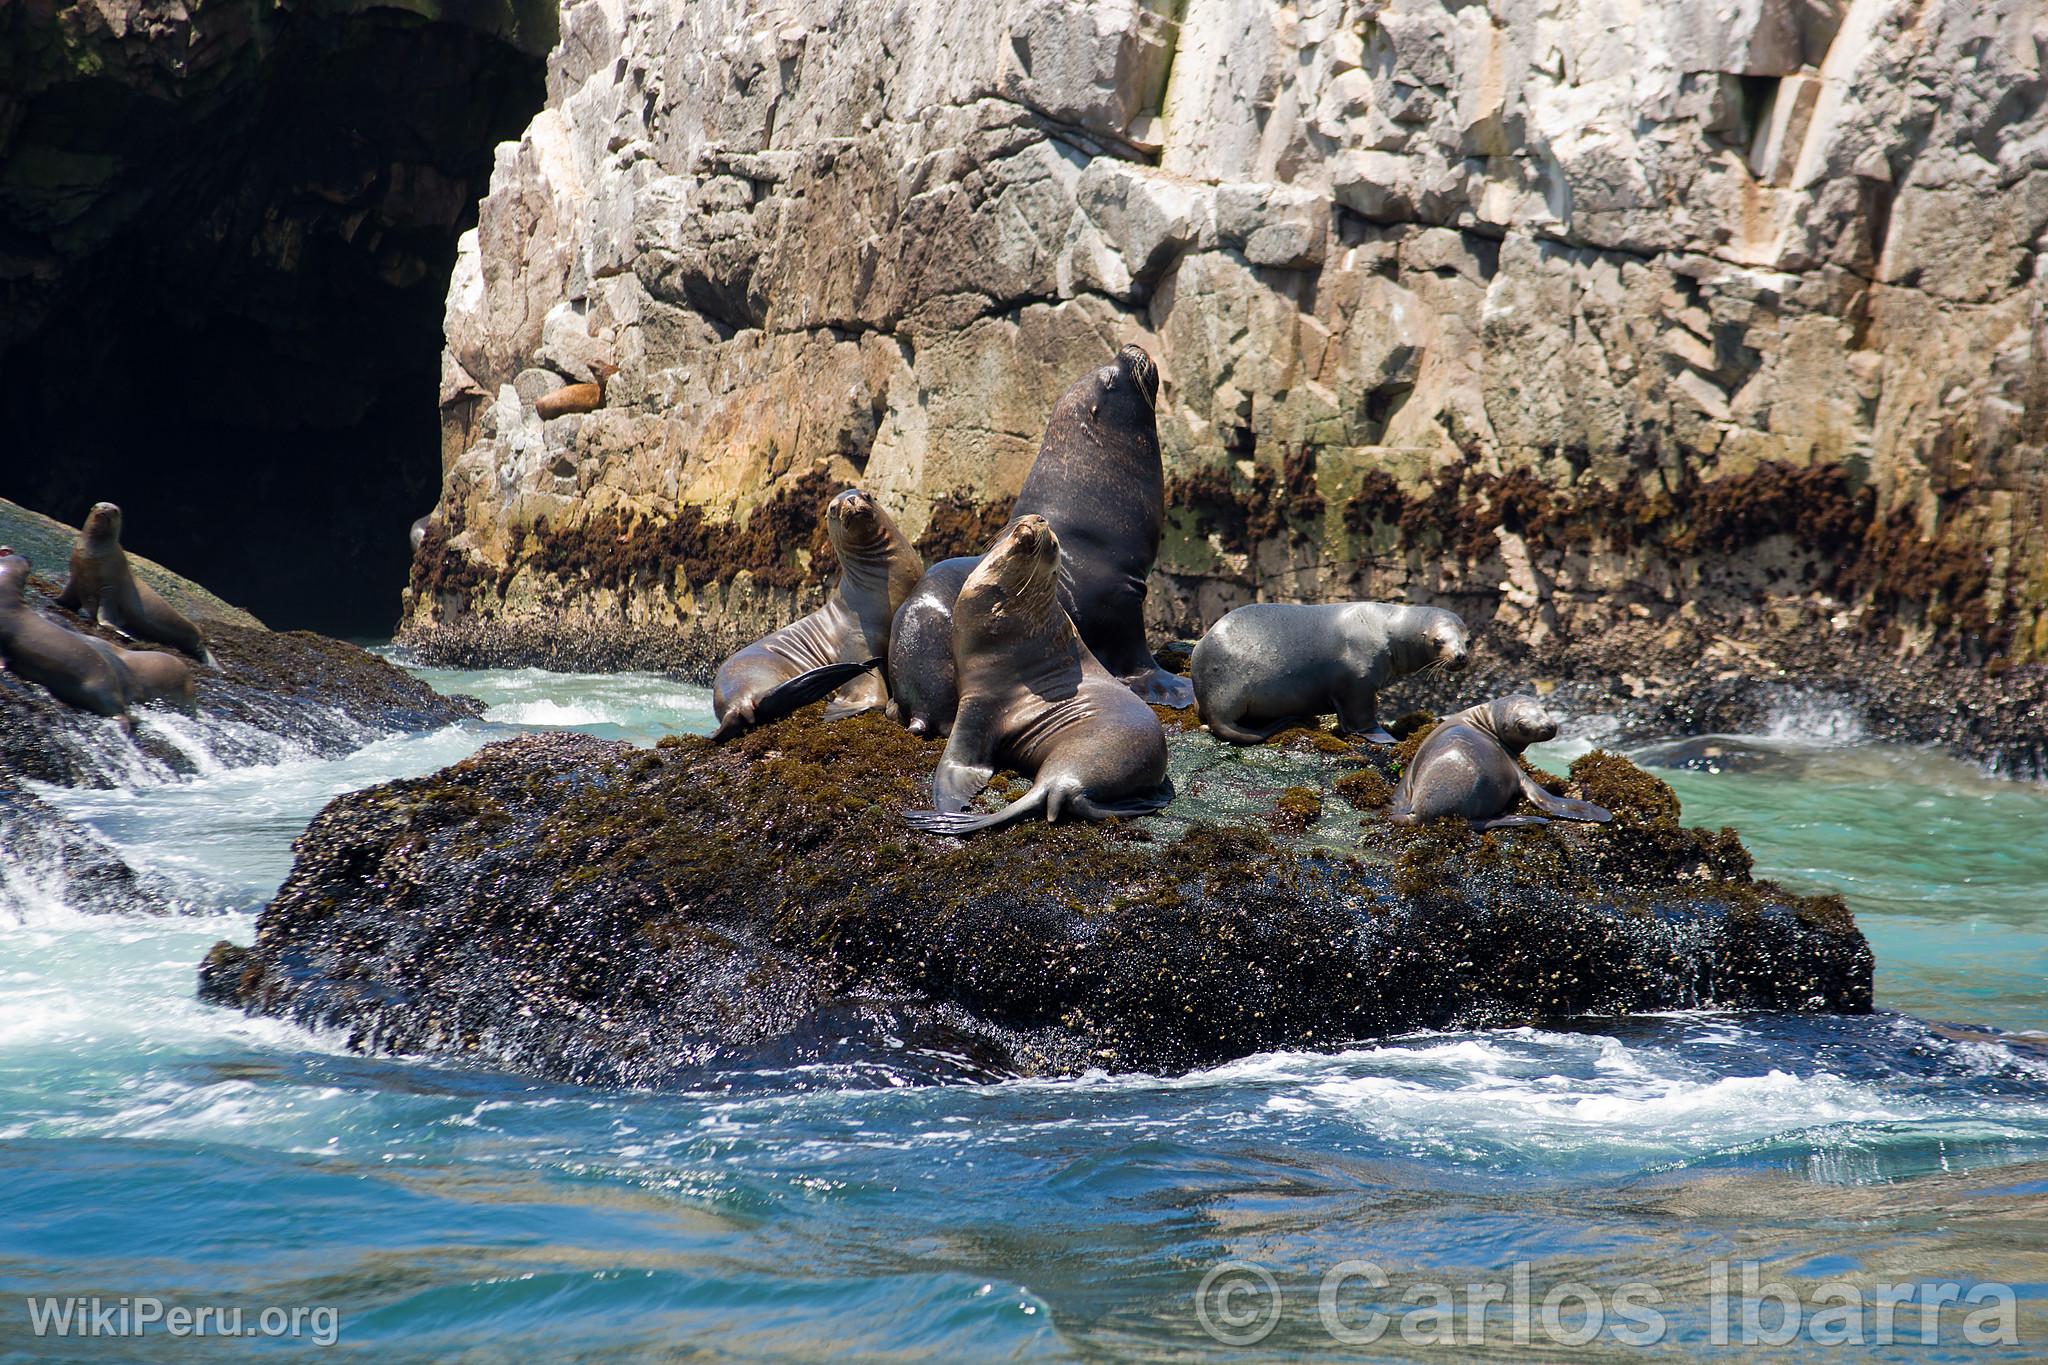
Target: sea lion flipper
(1566,808)
(786,698)
(70,599)
(973,822)
(1124,808)
(1509,822)
(1563,807)
(969,760)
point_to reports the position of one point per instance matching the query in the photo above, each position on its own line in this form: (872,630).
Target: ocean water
(1707,1184)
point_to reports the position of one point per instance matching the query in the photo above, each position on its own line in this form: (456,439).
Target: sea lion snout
(1139,369)
(1033,535)
(852,504)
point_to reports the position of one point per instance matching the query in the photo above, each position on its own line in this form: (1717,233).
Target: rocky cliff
(1704,324)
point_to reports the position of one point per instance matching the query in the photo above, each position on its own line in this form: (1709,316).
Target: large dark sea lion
(923,690)
(1098,480)
(837,647)
(1273,665)
(1467,767)
(40,651)
(104,587)
(1034,698)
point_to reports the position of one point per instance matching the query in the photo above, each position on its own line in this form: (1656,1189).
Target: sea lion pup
(1098,480)
(1467,767)
(104,588)
(1274,665)
(923,689)
(835,648)
(1034,698)
(40,651)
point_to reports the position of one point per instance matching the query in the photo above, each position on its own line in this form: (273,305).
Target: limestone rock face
(1554,313)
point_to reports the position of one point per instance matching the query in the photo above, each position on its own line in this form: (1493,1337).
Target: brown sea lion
(153,675)
(1273,665)
(1034,698)
(573,398)
(836,647)
(1467,767)
(38,650)
(103,587)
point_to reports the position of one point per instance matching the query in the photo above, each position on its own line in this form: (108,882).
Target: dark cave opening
(235,330)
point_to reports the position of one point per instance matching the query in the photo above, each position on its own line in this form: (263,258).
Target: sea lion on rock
(1271,666)
(923,689)
(153,675)
(72,666)
(836,647)
(575,398)
(103,587)
(1098,481)
(1033,697)
(1467,767)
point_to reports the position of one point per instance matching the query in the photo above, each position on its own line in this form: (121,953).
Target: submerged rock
(50,861)
(586,910)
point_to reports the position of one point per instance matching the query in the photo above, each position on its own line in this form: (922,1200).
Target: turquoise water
(151,1146)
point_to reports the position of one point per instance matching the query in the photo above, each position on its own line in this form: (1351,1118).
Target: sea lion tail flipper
(788,697)
(1563,807)
(1566,808)
(1509,822)
(973,822)
(1124,808)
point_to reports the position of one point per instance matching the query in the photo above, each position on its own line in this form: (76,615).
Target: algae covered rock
(586,910)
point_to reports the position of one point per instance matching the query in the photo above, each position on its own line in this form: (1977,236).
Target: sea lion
(153,675)
(836,647)
(40,651)
(1098,480)
(103,587)
(1033,697)
(923,691)
(572,398)
(1467,767)
(1272,665)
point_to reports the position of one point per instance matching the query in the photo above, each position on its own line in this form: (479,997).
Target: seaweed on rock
(587,910)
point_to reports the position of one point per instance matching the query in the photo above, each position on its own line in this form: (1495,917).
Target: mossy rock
(587,910)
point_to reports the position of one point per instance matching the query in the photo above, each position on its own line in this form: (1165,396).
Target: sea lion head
(1519,721)
(1017,575)
(1448,643)
(853,518)
(1026,554)
(103,522)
